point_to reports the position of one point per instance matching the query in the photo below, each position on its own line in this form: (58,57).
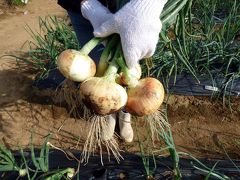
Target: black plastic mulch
(184,84)
(132,167)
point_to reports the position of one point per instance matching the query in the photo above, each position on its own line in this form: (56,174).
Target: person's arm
(73,5)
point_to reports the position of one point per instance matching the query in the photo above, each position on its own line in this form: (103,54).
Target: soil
(200,125)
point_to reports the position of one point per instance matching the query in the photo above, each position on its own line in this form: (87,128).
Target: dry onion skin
(75,65)
(102,96)
(145,97)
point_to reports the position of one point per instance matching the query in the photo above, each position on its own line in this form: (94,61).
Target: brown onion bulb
(75,65)
(146,97)
(102,96)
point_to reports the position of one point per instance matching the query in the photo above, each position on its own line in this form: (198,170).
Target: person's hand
(95,12)
(138,24)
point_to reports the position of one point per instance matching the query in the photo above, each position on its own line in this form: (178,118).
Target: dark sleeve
(72,5)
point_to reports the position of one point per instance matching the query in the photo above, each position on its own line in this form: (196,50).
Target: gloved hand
(95,12)
(138,24)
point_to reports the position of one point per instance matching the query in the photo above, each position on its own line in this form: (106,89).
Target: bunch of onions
(77,65)
(103,93)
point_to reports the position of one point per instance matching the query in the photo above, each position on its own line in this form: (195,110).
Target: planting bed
(200,125)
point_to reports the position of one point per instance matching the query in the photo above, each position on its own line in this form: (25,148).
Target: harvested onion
(103,95)
(145,97)
(77,65)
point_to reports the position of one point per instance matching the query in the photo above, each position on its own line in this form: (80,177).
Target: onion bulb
(145,97)
(103,95)
(77,65)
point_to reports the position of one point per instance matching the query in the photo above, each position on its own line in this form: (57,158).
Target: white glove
(95,12)
(139,25)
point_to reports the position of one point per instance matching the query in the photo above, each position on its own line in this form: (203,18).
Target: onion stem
(103,62)
(112,69)
(90,45)
(113,66)
(131,81)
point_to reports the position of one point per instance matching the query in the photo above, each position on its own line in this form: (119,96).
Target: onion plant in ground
(201,43)
(33,166)
(54,36)
(150,149)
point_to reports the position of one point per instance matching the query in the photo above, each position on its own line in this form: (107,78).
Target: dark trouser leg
(84,32)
